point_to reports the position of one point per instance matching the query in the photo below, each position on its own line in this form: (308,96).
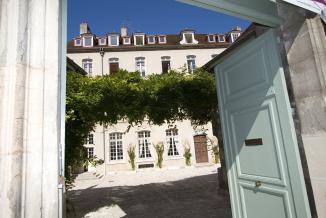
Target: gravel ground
(187,192)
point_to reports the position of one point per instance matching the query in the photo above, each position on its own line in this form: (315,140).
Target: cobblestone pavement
(187,192)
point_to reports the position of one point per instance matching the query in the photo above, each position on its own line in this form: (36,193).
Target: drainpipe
(102,52)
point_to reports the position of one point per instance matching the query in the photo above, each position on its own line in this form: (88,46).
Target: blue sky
(149,16)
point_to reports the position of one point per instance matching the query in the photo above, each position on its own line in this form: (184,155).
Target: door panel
(264,167)
(201,148)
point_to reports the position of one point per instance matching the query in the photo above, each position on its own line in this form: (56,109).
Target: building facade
(147,54)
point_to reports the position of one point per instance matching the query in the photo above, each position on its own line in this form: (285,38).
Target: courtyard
(184,192)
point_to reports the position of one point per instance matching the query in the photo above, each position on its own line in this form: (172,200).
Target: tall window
(166,64)
(88,66)
(188,37)
(90,139)
(144,144)
(139,40)
(191,63)
(116,150)
(234,36)
(113,40)
(90,152)
(140,65)
(114,65)
(172,142)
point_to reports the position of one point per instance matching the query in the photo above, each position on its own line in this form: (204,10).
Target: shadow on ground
(193,197)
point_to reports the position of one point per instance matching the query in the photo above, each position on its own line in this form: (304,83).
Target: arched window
(116,146)
(87,65)
(144,144)
(191,63)
(140,65)
(172,140)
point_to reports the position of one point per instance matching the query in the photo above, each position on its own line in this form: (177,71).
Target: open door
(264,168)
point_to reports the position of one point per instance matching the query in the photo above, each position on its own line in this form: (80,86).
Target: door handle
(258,184)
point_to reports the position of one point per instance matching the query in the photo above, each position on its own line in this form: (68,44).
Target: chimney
(84,28)
(237,29)
(124,31)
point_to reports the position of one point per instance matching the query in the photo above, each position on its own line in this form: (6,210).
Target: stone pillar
(30,74)
(304,42)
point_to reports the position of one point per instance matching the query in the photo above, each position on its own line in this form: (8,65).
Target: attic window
(151,39)
(113,40)
(188,37)
(139,40)
(211,38)
(234,36)
(78,42)
(102,41)
(162,39)
(221,38)
(88,41)
(126,40)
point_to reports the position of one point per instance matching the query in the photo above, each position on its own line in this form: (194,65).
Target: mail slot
(254,142)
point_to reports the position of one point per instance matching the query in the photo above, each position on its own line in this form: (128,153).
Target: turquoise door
(264,168)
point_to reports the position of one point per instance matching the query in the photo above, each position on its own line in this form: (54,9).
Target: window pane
(165,66)
(88,41)
(114,40)
(139,40)
(188,38)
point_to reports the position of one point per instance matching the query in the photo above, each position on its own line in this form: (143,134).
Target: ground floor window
(172,142)
(116,150)
(144,144)
(90,152)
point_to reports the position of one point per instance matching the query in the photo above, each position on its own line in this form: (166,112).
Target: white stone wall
(152,59)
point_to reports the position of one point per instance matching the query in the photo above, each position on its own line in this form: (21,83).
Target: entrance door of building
(264,168)
(201,148)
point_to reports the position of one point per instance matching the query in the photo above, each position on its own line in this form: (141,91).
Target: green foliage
(160,98)
(216,153)
(159,148)
(187,155)
(132,157)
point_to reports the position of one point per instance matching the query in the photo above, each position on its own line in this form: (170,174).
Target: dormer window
(126,41)
(88,41)
(211,38)
(234,36)
(151,40)
(78,42)
(162,39)
(139,40)
(102,41)
(188,37)
(113,40)
(221,38)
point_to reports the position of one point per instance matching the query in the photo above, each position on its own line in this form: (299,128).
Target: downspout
(102,52)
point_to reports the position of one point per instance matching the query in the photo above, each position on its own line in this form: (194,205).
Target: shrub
(159,151)
(216,154)
(132,157)
(187,155)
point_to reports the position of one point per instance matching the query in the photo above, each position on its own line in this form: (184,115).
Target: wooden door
(114,68)
(201,148)
(261,151)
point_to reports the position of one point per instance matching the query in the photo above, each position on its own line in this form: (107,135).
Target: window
(87,66)
(140,65)
(151,40)
(113,40)
(166,64)
(114,65)
(234,36)
(188,37)
(90,139)
(221,38)
(144,144)
(88,41)
(126,40)
(116,150)
(90,152)
(191,63)
(211,38)
(139,40)
(102,41)
(78,42)
(172,142)
(162,39)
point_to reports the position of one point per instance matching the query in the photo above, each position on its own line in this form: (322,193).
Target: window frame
(124,40)
(154,39)
(191,58)
(159,39)
(174,137)
(143,39)
(119,152)
(113,60)
(110,37)
(234,36)
(89,151)
(166,59)
(80,42)
(143,68)
(100,41)
(84,41)
(209,39)
(220,38)
(147,147)
(88,62)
